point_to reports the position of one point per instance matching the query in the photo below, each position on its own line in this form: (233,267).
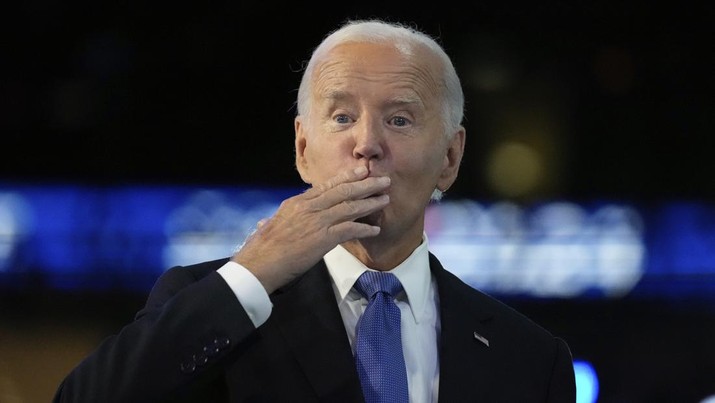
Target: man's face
(375,107)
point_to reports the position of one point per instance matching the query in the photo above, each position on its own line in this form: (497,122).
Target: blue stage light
(586,382)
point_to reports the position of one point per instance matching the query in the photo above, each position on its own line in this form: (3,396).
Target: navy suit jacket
(193,342)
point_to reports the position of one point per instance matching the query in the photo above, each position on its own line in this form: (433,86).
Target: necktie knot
(371,282)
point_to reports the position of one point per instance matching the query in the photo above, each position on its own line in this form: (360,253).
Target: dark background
(203,92)
(617,97)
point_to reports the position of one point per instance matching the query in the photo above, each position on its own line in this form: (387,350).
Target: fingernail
(360,170)
(385,180)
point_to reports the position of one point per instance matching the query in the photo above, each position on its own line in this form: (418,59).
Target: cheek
(326,159)
(419,166)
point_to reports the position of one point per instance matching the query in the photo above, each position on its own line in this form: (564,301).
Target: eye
(400,121)
(342,119)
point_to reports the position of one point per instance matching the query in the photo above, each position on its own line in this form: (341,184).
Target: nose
(369,140)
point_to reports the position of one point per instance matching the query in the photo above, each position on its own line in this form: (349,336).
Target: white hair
(403,38)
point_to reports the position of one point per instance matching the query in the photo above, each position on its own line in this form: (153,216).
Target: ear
(452,160)
(301,162)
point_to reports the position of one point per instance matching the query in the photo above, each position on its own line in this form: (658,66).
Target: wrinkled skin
(373,148)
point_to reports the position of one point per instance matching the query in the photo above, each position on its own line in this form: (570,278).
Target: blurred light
(209,224)
(514,169)
(586,382)
(15,222)
(557,249)
(709,399)
(123,237)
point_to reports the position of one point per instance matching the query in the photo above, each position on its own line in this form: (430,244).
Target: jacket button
(200,359)
(222,342)
(188,367)
(211,351)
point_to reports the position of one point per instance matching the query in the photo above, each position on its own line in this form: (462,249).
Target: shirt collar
(413,273)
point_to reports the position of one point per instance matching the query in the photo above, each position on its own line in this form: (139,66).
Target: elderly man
(336,297)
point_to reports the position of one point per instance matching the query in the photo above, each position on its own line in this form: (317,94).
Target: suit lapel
(466,362)
(309,320)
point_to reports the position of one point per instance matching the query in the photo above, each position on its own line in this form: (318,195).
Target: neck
(383,254)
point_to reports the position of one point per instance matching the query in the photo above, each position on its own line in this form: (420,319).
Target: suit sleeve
(176,342)
(562,386)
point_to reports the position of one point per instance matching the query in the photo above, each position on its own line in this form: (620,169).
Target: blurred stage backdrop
(138,136)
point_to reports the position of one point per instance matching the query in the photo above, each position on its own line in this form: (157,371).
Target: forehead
(361,67)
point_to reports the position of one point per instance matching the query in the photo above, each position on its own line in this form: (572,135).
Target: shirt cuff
(249,291)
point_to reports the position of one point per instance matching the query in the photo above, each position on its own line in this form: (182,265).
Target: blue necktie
(378,350)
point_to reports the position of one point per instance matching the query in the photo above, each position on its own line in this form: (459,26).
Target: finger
(352,209)
(349,175)
(349,230)
(352,191)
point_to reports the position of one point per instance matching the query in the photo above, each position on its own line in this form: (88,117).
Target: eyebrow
(399,100)
(405,100)
(336,95)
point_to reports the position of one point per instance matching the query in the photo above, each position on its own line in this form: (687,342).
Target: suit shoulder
(484,305)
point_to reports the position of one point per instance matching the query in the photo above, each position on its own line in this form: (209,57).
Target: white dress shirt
(418,305)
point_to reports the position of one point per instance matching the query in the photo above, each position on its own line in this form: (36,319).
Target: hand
(308,225)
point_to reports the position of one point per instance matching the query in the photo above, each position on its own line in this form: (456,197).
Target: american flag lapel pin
(481,338)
